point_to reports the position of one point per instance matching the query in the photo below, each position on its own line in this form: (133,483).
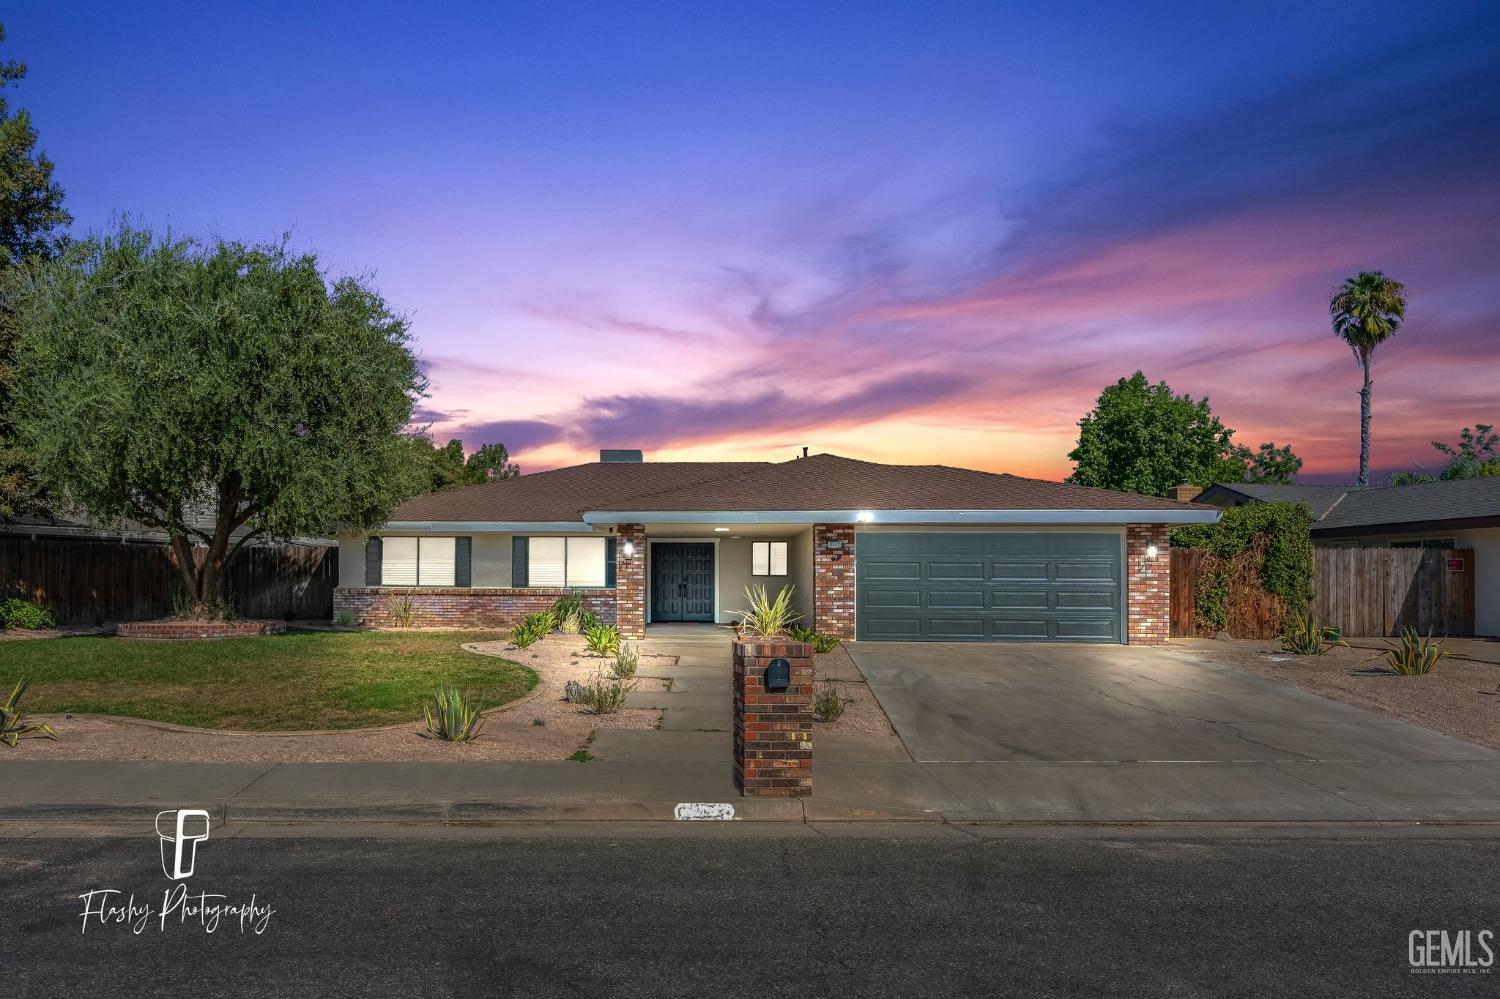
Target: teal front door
(682,581)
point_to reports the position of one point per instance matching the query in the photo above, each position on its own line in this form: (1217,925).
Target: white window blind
(547,561)
(398,562)
(436,561)
(585,561)
(768,558)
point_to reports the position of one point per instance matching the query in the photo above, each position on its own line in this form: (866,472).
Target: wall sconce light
(1151,551)
(628,549)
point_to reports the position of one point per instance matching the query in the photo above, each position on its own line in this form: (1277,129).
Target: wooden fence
(90,582)
(1360,591)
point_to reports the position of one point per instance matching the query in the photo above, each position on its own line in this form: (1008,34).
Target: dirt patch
(1460,697)
(509,733)
(862,713)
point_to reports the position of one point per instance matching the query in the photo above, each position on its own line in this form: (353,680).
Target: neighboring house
(1460,513)
(891,552)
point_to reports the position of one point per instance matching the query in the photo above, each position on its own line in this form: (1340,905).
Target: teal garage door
(952,587)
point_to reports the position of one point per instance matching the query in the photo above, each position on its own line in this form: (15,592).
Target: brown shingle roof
(822,482)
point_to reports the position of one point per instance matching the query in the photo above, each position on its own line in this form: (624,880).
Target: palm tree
(1367,310)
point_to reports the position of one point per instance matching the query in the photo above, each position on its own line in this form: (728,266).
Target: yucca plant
(403,612)
(11,725)
(587,619)
(1302,636)
(453,717)
(765,617)
(569,625)
(603,640)
(567,605)
(1414,654)
(524,635)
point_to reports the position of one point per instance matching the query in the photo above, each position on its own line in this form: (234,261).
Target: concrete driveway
(1089,732)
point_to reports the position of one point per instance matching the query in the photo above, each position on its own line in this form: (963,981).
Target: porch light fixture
(628,549)
(864,516)
(1151,551)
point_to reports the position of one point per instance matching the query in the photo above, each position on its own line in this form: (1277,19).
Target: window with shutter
(398,562)
(547,562)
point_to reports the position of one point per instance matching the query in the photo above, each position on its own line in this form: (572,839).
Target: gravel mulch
(509,733)
(1460,697)
(862,713)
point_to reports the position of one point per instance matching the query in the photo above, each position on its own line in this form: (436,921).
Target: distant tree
(446,467)
(1473,458)
(219,393)
(32,221)
(1143,438)
(1367,311)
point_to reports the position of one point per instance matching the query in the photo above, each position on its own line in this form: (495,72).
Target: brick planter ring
(170,629)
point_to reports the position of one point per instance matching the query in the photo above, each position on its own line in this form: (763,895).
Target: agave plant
(525,635)
(765,617)
(820,642)
(1414,654)
(11,725)
(603,639)
(587,619)
(1305,637)
(452,716)
(567,605)
(544,622)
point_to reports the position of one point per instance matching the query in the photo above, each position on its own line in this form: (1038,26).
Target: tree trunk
(1364,424)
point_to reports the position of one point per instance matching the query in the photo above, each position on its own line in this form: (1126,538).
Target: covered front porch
(695,575)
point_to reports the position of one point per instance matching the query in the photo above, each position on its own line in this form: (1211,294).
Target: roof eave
(1403,526)
(1039,517)
(502,526)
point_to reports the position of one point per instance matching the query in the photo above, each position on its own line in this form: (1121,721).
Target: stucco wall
(734,575)
(800,563)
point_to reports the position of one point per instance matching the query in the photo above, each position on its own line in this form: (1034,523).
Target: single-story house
(873,551)
(1461,513)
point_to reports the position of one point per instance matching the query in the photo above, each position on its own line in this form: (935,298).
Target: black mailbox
(778,675)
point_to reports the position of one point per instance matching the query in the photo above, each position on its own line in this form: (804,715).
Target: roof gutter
(610,517)
(502,526)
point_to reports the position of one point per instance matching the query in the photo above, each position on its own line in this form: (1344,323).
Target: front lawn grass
(299,680)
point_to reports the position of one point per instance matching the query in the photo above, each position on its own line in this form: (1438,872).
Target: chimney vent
(1186,493)
(804,452)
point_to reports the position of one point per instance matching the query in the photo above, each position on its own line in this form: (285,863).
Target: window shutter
(519,548)
(609,561)
(463,561)
(372,561)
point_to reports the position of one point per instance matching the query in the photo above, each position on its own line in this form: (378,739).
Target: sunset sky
(915,232)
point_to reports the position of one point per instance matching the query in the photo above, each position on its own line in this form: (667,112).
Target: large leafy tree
(446,467)
(32,221)
(1144,438)
(1473,458)
(1367,310)
(219,392)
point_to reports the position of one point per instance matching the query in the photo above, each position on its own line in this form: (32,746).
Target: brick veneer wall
(833,579)
(1148,584)
(459,607)
(630,581)
(773,732)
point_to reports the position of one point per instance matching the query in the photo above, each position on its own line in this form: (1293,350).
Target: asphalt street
(760,915)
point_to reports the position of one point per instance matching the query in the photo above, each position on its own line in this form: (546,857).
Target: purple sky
(910,232)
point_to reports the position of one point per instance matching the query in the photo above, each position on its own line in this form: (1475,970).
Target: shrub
(605,695)
(214,608)
(403,612)
(543,622)
(26,614)
(603,640)
(1303,637)
(11,725)
(567,605)
(587,619)
(627,662)
(569,625)
(453,717)
(827,704)
(1414,654)
(766,617)
(1262,544)
(581,756)
(820,642)
(345,619)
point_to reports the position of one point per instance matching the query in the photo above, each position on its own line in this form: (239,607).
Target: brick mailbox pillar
(773,729)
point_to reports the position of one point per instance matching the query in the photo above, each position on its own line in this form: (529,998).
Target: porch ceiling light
(721,530)
(864,516)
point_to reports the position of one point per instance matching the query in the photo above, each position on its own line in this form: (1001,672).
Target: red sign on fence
(1455,565)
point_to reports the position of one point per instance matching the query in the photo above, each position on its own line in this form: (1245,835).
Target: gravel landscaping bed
(862,713)
(1460,697)
(509,733)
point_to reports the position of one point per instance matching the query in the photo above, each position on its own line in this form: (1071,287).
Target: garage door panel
(944,569)
(979,586)
(944,598)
